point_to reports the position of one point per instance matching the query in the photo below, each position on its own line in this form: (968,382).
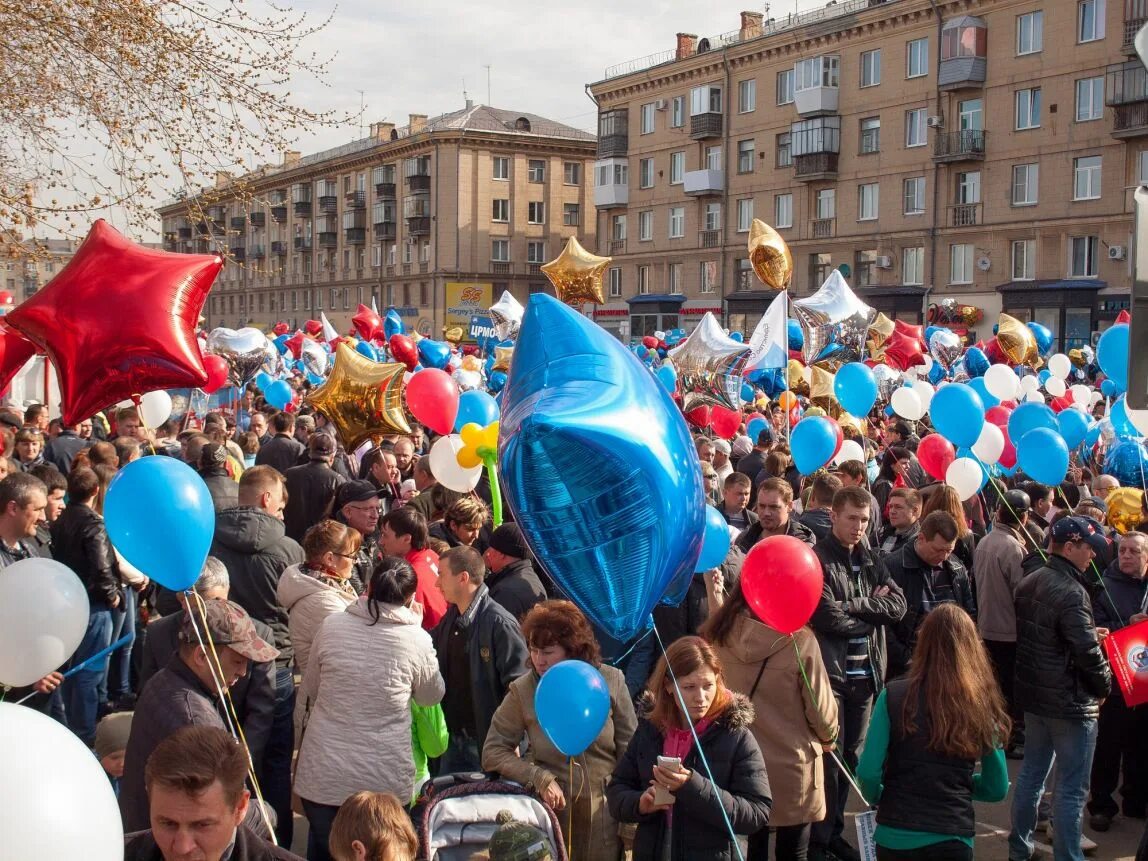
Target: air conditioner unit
(884,262)
(936,122)
(660,105)
(1116,252)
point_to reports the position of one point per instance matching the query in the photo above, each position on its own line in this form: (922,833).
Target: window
(814,72)
(970,115)
(408,254)
(871,68)
(917,58)
(643,280)
(825,203)
(870,135)
(677,222)
(913,266)
(784,150)
(614,279)
(820,265)
(915,127)
(864,264)
(645,225)
(1028,108)
(1024,260)
(613,173)
(746,96)
(500,250)
(571,173)
(535,251)
(960,264)
(745,156)
(1086,177)
(674,277)
(647,118)
(744,214)
(1030,33)
(1089,20)
(501,167)
(713,158)
(967,40)
(1089,99)
(536,212)
(677,112)
(1142,173)
(712,218)
(1084,251)
(618,223)
(500,210)
(969,187)
(785,87)
(677,168)
(424,252)
(705,100)
(782,210)
(1024,184)
(646,173)
(536,170)
(709,276)
(867,201)
(571,215)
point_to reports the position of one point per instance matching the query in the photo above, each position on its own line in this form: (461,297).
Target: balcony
(302,243)
(390,270)
(419,182)
(419,226)
(238,223)
(816,100)
(184,232)
(279,213)
(328,239)
(613,146)
(385,230)
(216,214)
(258,252)
(1135,17)
(965,145)
(302,208)
(1126,91)
(709,239)
(707,125)
(815,166)
(616,247)
(963,73)
(1130,121)
(279,248)
(613,133)
(500,268)
(965,215)
(611,196)
(700,183)
(964,48)
(534,268)
(328,203)
(258,219)
(424,267)
(385,190)
(356,200)
(823,228)
(355,235)
(238,253)
(406,269)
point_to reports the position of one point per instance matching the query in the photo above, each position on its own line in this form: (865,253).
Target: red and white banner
(1127,651)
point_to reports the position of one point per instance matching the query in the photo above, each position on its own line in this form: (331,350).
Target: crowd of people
(361,628)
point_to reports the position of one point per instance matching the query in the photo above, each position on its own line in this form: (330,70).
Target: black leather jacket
(80,541)
(753,534)
(1061,671)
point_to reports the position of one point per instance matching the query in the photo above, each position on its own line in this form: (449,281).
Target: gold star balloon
(502,356)
(361,398)
(1124,508)
(453,334)
(1017,341)
(577,275)
(769,256)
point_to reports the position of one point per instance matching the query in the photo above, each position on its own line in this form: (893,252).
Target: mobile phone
(661,794)
(670,762)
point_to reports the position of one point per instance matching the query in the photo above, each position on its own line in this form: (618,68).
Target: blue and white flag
(769,343)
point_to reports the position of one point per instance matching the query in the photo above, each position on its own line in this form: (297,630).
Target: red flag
(1127,651)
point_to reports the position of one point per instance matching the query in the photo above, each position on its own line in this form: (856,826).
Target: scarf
(327,577)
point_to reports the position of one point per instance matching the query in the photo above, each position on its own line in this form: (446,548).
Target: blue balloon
(434,354)
(572,703)
(737,336)
(936,373)
(813,443)
(1043,455)
(641,351)
(1112,356)
(668,377)
(367,349)
(855,388)
(1073,426)
(1121,424)
(280,342)
(314,379)
(1043,337)
(795,336)
(977,384)
(1108,388)
(1127,462)
(1044,375)
(958,414)
(715,543)
(392,323)
(159,515)
(1093,435)
(263,380)
(278,394)
(747,393)
(976,362)
(599,468)
(929,331)
(475,407)
(754,428)
(1029,417)
(496,381)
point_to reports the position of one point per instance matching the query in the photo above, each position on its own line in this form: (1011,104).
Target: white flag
(330,333)
(769,344)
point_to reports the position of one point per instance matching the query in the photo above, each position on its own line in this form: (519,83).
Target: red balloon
(650,342)
(781,579)
(903,351)
(994,353)
(15,351)
(699,417)
(1008,405)
(1124,316)
(1061,403)
(935,453)
(216,367)
(119,321)
(432,398)
(753,416)
(404,350)
(5,297)
(295,344)
(1008,456)
(367,323)
(998,415)
(724,421)
(795,414)
(917,333)
(840,439)
(281,328)
(313,327)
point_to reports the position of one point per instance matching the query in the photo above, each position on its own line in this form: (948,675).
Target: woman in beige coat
(557,631)
(796,717)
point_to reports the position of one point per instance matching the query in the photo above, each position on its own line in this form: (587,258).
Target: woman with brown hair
(661,782)
(557,631)
(944,498)
(373,826)
(926,734)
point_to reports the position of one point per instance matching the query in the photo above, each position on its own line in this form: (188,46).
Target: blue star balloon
(1127,462)
(599,468)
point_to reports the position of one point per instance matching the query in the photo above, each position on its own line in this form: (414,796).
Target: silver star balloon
(506,314)
(834,321)
(710,365)
(945,347)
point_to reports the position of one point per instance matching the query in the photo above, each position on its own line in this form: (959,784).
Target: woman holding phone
(661,782)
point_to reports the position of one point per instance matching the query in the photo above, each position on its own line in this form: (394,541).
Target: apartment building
(435,218)
(979,150)
(32,263)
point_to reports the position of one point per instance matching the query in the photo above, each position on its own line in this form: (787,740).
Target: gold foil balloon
(769,256)
(1017,341)
(881,328)
(710,365)
(471,363)
(453,334)
(795,373)
(361,398)
(577,275)
(1124,512)
(502,356)
(821,383)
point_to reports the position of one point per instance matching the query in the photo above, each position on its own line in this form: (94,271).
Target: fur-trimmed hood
(738,714)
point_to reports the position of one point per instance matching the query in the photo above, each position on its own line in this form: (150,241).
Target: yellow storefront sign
(465,299)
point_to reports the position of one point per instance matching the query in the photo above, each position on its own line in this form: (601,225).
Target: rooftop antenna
(362,110)
(487,67)
(465,95)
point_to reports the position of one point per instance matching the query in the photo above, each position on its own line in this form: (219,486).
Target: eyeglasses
(344,555)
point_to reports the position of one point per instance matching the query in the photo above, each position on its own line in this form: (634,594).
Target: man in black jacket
(282,451)
(774,516)
(903,513)
(816,516)
(1061,677)
(858,599)
(213,470)
(510,575)
(311,487)
(62,450)
(754,462)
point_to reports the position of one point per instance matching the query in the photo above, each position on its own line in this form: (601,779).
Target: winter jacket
(516,587)
(750,517)
(442,532)
(791,722)
(361,677)
(750,465)
(248,847)
(308,602)
(425,563)
(310,494)
(699,831)
(817,521)
(909,572)
(595,832)
(80,541)
(688,617)
(753,534)
(1061,671)
(223,488)
(281,452)
(849,609)
(896,539)
(1121,598)
(496,653)
(252,545)
(61,451)
(997,566)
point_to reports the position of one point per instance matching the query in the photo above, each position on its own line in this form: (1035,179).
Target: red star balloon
(281,328)
(119,321)
(368,323)
(295,344)
(313,328)
(15,351)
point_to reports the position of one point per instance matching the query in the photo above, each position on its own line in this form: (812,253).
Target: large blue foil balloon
(976,362)
(434,354)
(366,348)
(572,703)
(1043,455)
(958,414)
(812,443)
(1043,336)
(1121,425)
(496,381)
(599,468)
(936,373)
(1028,417)
(1112,356)
(1127,462)
(1073,426)
(795,336)
(715,545)
(392,324)
(855,388)
(475,407)
(159,515)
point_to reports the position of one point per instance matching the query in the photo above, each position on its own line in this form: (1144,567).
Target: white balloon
(43,617)
(1081,394)
(1060,366)
(990,444)
(55,800)
(155,408)
(444,465)
(850,450)
(1001,382)
(1055,387)
(907,403)
(923,370)
(964,475)
(1030,384)
(1094,398)
(1034,397)
(925,392)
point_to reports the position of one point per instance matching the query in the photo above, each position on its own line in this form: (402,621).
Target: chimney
(416,123)
(751,25)
(687,46)
(469,104)
(382,131)
(291,157)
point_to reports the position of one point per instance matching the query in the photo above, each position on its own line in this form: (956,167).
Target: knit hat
(517,841)
(321,445)
(507,539)
(1094,502)
(112,734)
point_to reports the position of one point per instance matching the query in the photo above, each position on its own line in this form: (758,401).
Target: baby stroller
(460,813)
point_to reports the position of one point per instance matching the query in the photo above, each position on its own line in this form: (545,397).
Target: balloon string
(570,811)
(495,492)
(615,661)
